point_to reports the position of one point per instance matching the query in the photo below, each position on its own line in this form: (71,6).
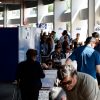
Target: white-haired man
(78,85)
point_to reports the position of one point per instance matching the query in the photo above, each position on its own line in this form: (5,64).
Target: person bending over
(78,85)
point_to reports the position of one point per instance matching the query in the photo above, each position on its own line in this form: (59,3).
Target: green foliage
(68,4)
(50,8)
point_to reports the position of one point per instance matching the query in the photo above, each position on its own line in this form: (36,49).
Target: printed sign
(41,25)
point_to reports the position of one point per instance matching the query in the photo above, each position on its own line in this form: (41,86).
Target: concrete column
(97,16)
(77,25)
(5,16)
(22,14)
(75,16)
(97,12)
(91,16)
(59,9)
(42,10)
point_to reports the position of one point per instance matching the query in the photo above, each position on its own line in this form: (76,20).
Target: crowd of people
(72,79)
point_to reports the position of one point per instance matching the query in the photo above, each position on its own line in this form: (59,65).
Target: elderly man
(78,85)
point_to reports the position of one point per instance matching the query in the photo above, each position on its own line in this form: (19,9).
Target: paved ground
(8,91)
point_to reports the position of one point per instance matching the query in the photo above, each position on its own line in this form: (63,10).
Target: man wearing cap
(78,85)
(88,59)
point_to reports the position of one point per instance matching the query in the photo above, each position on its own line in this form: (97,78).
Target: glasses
(67,83)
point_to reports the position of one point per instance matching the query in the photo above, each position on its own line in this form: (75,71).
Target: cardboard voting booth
(29,37)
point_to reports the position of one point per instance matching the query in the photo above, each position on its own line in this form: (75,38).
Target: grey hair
(68,70)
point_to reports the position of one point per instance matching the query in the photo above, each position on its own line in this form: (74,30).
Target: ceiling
(15,4)
(15,1)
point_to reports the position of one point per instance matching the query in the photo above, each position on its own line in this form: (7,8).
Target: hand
(44,65)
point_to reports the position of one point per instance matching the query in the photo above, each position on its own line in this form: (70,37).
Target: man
(78,85)
(96,36)
(97,47)
(29,74)
(65,33)
(76,42)
(88,59)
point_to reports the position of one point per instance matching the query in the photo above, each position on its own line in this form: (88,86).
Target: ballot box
(50,78)
(47,84)
(44,94)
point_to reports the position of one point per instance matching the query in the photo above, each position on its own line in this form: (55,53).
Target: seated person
(57,55)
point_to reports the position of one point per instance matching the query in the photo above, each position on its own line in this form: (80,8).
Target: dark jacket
(29,73)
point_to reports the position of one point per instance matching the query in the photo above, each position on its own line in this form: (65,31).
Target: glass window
(31,12)
(13,14)
(97,14)
(13,25)
(1,15)
(1,25)
(68,26)
(50,9)
(68,6)
(84,4)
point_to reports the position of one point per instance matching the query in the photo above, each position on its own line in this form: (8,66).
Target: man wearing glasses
(78,85)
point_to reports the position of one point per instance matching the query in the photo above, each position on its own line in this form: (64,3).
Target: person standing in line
(76,42)
(88,59)
(97,48)
(96,36)
(29,74)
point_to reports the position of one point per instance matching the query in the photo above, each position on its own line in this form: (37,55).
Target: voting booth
(14,42)
(8,54)
(29,37)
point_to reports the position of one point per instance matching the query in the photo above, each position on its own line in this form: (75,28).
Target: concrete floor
(8,91)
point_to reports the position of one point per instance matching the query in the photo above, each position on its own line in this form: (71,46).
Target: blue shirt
(87,58)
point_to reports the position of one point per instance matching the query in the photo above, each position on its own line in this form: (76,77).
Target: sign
(41,25)
(97,28)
